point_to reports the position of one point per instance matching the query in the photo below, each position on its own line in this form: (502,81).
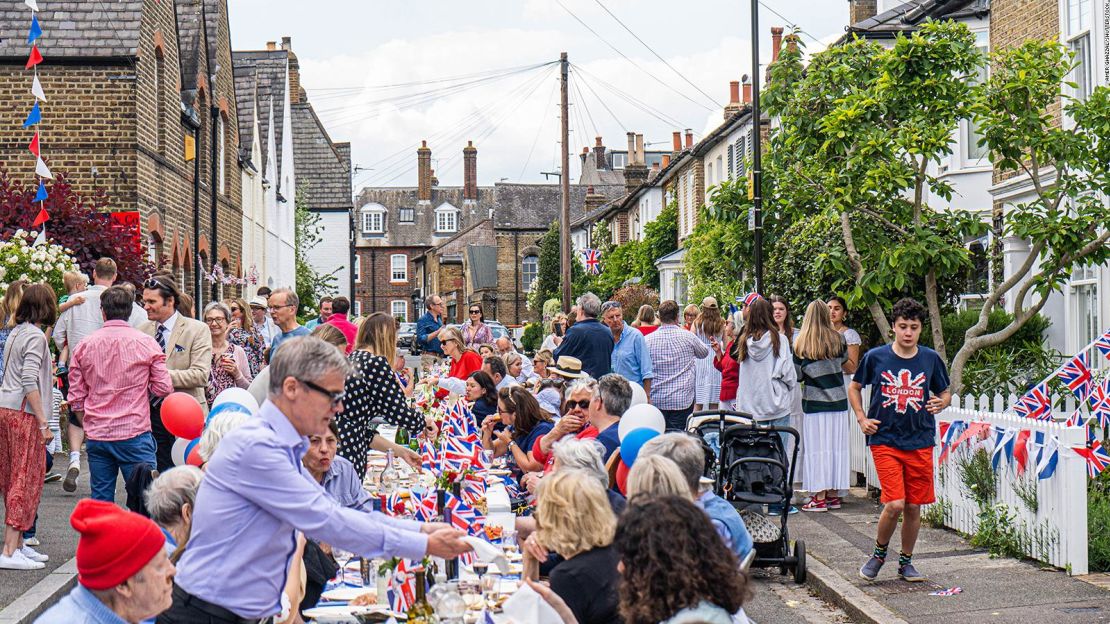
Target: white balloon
(178,451)
(639,397)
(239,396)
(641,416)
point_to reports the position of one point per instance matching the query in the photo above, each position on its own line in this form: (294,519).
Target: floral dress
(254,345)
(219,379)
(473,337)
(372,392)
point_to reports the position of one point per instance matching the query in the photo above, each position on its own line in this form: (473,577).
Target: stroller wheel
(799,562)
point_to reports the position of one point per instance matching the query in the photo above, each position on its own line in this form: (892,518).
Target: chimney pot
(776,42)
(747,93)
(287,43)
(677,139)
(734,92)
(689,138)
(631,147)
(640,149)
(597,142)
(666,160)
(271,45)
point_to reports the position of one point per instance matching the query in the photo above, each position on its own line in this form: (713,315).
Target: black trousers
(162,438)
(676,419)
(188,609)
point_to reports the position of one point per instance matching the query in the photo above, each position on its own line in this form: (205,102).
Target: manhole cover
(898,586)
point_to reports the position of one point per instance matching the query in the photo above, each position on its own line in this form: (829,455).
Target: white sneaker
(33,554)
(19,561)
(31,541)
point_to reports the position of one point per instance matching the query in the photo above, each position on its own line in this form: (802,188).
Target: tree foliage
(78,222)
(548,279)
(311,284)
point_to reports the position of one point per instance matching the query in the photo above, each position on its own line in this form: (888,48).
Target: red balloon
(622,477)
(194,457)
(183,416)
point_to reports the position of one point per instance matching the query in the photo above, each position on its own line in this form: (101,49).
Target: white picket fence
(1055,532)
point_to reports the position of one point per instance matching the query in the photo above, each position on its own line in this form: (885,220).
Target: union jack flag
(393,504)
(1035,403)
(402,588)
(1099,402)
(460,421)
(425,505)
(463,516)
(1097,457)
(1077,375)
(592,258)
(473,489)
(1103,344)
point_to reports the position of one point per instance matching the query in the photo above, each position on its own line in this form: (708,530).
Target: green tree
(311,284)
(660,238)
(548,280)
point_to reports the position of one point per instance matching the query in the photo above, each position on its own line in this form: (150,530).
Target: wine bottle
(420,612)
(389,478)
(402,437)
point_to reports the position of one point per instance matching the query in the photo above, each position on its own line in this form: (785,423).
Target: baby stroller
(750,468)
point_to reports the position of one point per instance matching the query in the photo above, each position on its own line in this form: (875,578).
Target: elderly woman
(170,501)
(215,430)
(26,391)
(244,333)
(575,421)
(656,475)
(540,363)
(230,368)
(463,362)
(575,521)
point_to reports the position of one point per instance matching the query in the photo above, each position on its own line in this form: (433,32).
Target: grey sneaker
(70,483)
(910,573)
(870,570)
(52,477)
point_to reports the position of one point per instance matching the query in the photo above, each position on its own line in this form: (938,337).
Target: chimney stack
(424,173)
(677,139)
(776,42)
(640,157)
(584,155)
(733,106)
(631,158)
(287,44)
(599,154)
(635,173)
(859,10)
(470,172)
(666,161)
(271,46)
(747,91)
(689,138)
(593,200)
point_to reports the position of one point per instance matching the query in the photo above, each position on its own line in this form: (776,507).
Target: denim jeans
(108,459)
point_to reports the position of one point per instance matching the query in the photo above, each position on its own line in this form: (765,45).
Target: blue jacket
(425,325)
(591,342)
(728,522)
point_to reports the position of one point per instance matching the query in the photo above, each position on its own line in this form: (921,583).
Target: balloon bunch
(184,418)
(639,424)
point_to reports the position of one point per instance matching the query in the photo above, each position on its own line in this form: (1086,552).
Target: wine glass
(490,584)
(343,557)
(480,568)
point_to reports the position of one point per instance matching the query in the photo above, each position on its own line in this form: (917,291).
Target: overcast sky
(353,53)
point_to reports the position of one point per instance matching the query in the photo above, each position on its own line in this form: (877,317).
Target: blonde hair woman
(372,391)
(645,320)
(819,355)
(656,475)
(463,362)
(575,521)
(244,333)
(558,330)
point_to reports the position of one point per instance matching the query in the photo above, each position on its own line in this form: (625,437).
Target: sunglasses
(584,404)
(336,397)
(475,311)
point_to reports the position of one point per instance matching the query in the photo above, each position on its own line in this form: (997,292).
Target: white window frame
(403,212)
(526,283)
(446,219)
(358,268)
(404,309)
(1088,280)
(369,217)
(966,158)
(358,308)
(403,273)
(1079,33)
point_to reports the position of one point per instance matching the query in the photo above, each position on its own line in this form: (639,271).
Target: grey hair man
(170,501)
(283,304)
(630,353)
(588,339)
(612,396)
(256,498)
(687,452)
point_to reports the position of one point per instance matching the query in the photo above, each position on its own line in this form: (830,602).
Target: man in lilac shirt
(256,495)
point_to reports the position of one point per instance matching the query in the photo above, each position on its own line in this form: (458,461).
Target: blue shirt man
(630,358)
(429,325)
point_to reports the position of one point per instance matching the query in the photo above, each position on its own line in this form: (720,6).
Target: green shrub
(999,534)
(936,515)
(532,337)
(1098,523)
(978,477)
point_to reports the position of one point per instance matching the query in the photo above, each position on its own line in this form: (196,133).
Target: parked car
(406,336)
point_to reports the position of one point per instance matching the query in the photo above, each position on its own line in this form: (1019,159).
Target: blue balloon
(190,446)
(225,408)
(633,442)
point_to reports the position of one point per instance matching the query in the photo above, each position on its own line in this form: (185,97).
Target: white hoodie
(766,382)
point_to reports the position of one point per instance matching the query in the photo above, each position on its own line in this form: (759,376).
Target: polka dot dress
(372,392)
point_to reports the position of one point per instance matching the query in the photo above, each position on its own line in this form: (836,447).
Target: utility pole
(564,181)
(757,172)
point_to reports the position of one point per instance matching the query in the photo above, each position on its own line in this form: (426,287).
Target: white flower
(35,266)
(3,285)
(20,232)
(24,277)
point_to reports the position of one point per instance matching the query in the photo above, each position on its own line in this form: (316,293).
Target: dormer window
(447,219)
(373,219)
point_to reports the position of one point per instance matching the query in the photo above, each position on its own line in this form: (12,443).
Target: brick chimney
(677,140)
(470,172)
(593,200)
(640,157)
(424,173)
(689,138)
(635,173)
(859,10)
(666,161)
(599,154)
(733,105)
(776,42)
(271,46)
(296,93)
(747,91)
(584,155)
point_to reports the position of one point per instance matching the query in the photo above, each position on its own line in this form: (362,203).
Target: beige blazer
(188,356)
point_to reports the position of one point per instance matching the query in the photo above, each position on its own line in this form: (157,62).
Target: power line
(644,43)
(620,124)
(539,130)
(788,21)
(582,99)
(635,102)
(625,57)
(434,80)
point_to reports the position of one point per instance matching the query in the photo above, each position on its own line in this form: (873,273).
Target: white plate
(333,615)
(347,593)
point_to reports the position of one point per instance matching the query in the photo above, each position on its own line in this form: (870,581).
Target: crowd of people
(280,488)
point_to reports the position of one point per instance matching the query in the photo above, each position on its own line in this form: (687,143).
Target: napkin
(527,606)
(488,553)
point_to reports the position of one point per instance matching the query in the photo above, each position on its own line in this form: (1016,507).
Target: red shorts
(905,475)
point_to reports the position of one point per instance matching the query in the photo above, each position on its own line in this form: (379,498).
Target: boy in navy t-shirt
(909,384)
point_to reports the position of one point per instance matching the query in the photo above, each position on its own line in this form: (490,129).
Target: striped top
(823,384)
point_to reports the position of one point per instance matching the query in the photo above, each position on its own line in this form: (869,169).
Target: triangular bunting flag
(41,196)
(42,170)
(33,4)
(34,145)
(41,238)
(1049,456)
(43,216)
(36,30)
(1103,344)
(1021,450)
(36,89)
(1077,375)
(33,117)
(35,58)
(1099,402)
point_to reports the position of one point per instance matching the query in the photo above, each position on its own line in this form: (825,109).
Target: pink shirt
(348,328)
(110,374)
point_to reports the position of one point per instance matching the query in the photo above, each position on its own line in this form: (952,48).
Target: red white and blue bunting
(1076,374)
(34,119)
(1021,449)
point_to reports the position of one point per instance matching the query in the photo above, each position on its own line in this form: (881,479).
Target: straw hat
(567,366)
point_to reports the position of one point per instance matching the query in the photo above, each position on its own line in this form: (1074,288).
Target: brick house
(133,88)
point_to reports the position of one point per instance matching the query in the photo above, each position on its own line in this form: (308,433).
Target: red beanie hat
(114,544)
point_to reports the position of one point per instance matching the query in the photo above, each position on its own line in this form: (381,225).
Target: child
(74,283)
(909,385)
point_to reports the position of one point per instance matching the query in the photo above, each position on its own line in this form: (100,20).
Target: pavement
(776,599)
(994,590)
